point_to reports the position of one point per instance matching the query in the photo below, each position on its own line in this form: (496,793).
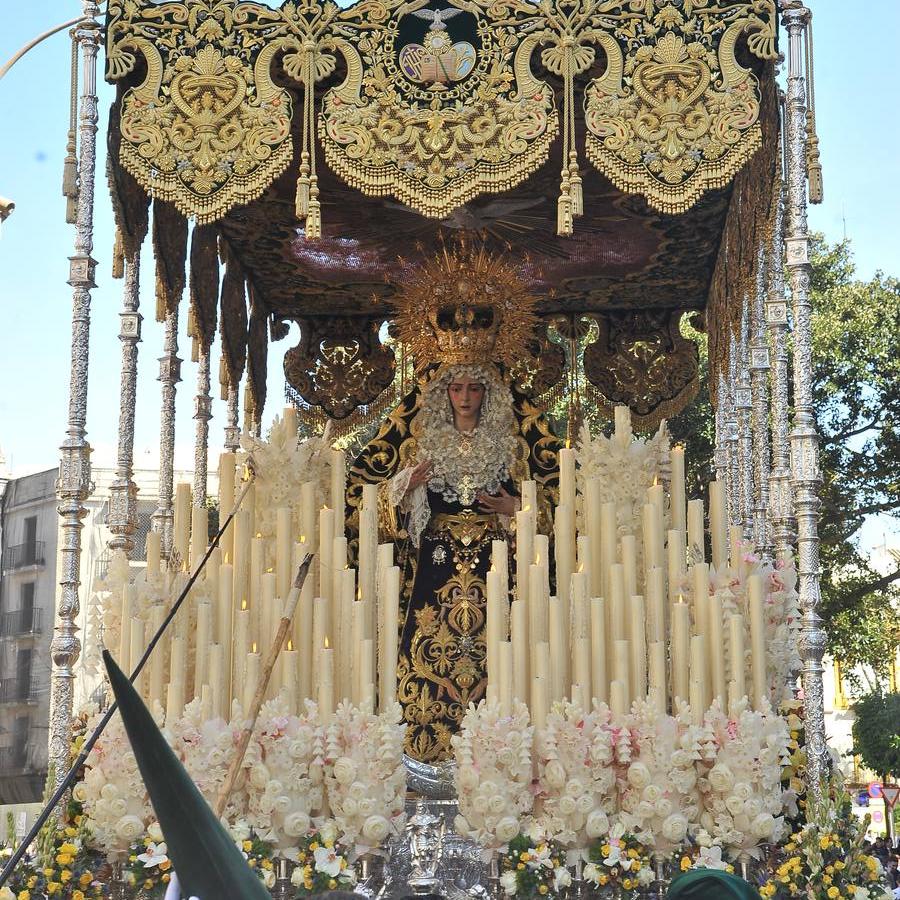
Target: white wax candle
(598,649)
(657,675)
(338,497)
(496,622)
(653,549)
(564,531)
(622,426)
(288,664)
(718,524)
(349,650)
(270,612)
(366,671)
(518,630)
(239,654)
(736,652)
(540,702)
(388,668)
(303,642)
(618,702)
(505,655)
(154,552)
(638,644)
(251,681)
(537,604)
(157,657)
(138,645)
(697,701)
(582,669)
(325,685)
(225,615)
(677,497)
(174,702)
(182,525)
(217,679)
(567,478)
(581,613)
(756,598)
(289,426)
(529,499)
(618,624)
(717,649)
(629,564)
(696,534)
(675,557)
(622,664)
(204,639)
(559,682)
(284,550)
(249,505)
(700,582)
(699,670)
(592,518)
(524,551)
(126,611)
(199,534)
(368,545)
(308,513)
(656,605)
(227,462)
(241,557)
(326,548)
(609,539)
(681,637)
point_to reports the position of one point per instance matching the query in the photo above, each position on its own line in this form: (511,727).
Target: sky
(856,69)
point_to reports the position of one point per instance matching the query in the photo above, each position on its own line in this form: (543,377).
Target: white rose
(349,807)
(282,803)
(154,832)
(497,804)
(480,804)
(597,824)
(79,792)
(644,810)
(109,792)
(763,826)
(357,790)
(554,774)
(467,778)
(566,806)
(259,776)
(269,878)
(328,833)
(652,793)
(297,876)
(585,803)
(742,790)
(591,872)
(365,807)
(638,775)
(296,749)
(645,876)
(720,778)
(734,805)
(753,807)
(296,824)
(343,770)
(663,807)
(674,828)
(507,828)
(508,883)
(375,829)
(562,878)
(129,828)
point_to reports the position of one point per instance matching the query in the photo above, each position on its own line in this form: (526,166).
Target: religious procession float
(520,663)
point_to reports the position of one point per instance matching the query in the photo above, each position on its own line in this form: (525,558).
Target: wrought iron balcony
(20,622)
(22,555)
(19,690)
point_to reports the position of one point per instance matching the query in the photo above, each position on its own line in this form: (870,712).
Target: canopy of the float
(624,150)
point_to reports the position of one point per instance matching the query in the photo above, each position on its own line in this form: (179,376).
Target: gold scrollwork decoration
(641,359)
(340,364)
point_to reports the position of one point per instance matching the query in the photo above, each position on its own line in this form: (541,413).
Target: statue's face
(466,397)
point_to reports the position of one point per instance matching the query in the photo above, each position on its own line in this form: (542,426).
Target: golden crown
(465,305)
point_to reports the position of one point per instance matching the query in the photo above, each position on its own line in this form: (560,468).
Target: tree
(876,732)
(856,390)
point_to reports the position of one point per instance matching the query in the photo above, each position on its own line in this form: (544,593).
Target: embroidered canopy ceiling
(596,140)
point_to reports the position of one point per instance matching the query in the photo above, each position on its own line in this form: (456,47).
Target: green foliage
(876,732)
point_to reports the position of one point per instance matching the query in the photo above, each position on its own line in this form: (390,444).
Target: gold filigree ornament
(676,114)
(464,305)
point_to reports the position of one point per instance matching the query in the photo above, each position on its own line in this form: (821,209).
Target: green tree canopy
(876,732)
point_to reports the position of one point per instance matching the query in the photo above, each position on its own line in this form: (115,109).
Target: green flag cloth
(710,884)
(208,864)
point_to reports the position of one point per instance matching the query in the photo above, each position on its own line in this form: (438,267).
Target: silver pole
(74,483)
(202,415)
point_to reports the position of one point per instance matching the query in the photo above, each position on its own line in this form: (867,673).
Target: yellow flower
(824,842)
(520,866)
(314,845)
(632,854)
(77,895)
(65,876)
(542,889)
(768,889)
(71,832)
(833,892)
(626,883)
(85,879)
(605,849)
(24,895)
(524,856)
(53,887)
(685,863)
(839,864)
(247,846)
(332,884)
(71,849)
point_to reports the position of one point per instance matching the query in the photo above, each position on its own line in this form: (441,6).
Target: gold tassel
(70,189)
(301,201)
(564,225)
(314,215)
(118,257)
(813,164)
(575,186)
(195,350)
(160,301)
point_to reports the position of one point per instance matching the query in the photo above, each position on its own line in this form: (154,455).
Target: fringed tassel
(160,301)
(223,378)
(564,225)
(118,256)
(301,201)
(813,164)
(70,189)
(314,215)
(575,191)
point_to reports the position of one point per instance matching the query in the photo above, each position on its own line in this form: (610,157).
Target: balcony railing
(22,555)
(19,690)
(20,622)
(13,759)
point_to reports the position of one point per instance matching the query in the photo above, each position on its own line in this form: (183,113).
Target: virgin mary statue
(449,461)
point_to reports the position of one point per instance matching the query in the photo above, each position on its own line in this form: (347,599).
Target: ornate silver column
(232,428)
(759,398)
(805,475)
(74,485)
(123,491)
(169,376)
(743,407)
(202,415)
(781,504)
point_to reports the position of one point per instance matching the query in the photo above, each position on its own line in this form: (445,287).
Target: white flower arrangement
(742,759)
(284,784)
(660,802)
(576,779)
(365,776)
(493,773)
(117,810)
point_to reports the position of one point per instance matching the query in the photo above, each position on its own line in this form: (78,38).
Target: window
(29,550)
(23,667)
(26,596)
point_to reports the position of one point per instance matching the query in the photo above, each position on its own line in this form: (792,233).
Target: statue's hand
(421,474)
(503,504)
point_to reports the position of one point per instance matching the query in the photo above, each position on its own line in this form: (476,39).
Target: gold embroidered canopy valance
(434,102)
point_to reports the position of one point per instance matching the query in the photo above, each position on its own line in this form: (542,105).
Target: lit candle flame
(254,647)
(290,645)
(243,604)
(326,642)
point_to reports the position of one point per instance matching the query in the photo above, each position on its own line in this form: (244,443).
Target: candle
(622,664)
(496,624)
(368,544)
(736,652)
(696,541)
(308,513)
(618,703)
(698,672)
(338,501)
(564,531)
(676,562)
(350,650)
(559,681)
(592,517)
(701,596)
(284,548)
(681,637)
(540,702)
(126,611)
(269,611)
(204,639)
(505,655)
(657,675)
(697,704)
(629,564)
(581,612)
(138,643)
(321,632)
(225,616)
(618,624)
(154,551)
(251,681)
(388,662)
(638,644)
(609,537)
(357,633)
(288,662)
(529,499)
(677,497)
(567,477)
(199,535)
(736,544)
(656,605)
(157,657)
(756,595)
(241,557)
(365,672)
(290,426)
(582,670)
(303,641)
(254,590)
(500,562)
(174,702)
(217,680)
(717,525)
(326,548)
(182,527)
(239,652)
(249,505)
(537,605)
(325,685)
(622,426)
(717,649)
(598,649)
(518,630)
(227,463)
(178,664)
(653,545)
